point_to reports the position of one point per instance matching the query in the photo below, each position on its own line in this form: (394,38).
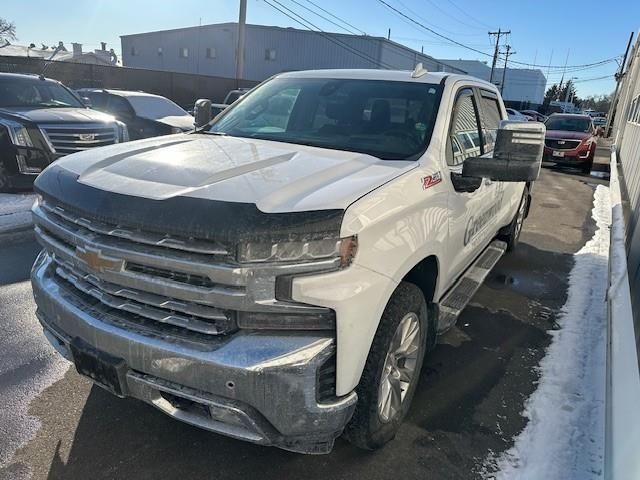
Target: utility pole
(242,23)
(507,54)
(619,76)
(498,34)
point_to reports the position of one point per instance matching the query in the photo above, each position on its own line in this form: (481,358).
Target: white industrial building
(522,85)
(211,50)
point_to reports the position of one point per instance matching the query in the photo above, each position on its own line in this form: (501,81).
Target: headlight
(299,251)
(18,133)
(123,132)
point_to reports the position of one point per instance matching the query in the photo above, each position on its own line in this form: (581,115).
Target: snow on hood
(184,122)
(276,177)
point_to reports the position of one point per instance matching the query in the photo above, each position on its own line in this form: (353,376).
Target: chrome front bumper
(255,386)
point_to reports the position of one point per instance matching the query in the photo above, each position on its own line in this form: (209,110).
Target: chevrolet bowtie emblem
(98,262)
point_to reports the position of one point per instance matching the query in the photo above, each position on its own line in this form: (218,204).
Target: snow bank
(564,437)
(15,211)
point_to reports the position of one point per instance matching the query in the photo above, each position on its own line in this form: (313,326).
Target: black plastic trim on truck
(225,222)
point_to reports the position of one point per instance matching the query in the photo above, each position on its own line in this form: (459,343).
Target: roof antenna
(419,71)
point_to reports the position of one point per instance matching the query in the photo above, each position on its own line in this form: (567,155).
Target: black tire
(587,167)
(367,429)
(511,233)
(5,186)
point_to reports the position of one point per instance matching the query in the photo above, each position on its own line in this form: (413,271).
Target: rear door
(507,194)
(471,214)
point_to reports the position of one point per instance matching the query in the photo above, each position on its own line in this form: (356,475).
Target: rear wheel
(392,370)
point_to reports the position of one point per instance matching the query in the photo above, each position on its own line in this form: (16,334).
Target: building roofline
(289,29)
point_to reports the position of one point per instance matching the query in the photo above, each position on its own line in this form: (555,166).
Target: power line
(324,34)
(413,56)
(336,17)
(437,7)
(470,16)
(455,42)
(324,18)
(417,15)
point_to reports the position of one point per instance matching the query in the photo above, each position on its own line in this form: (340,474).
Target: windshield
(569,124)
(33,92)
(155,108)
(386,119)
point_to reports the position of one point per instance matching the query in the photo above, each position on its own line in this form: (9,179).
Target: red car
(570,140)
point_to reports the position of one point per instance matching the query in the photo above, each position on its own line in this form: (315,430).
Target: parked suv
(146,115)
(571,140)
(42,120)
(279,275)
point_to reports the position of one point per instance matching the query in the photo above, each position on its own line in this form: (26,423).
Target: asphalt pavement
(467,407)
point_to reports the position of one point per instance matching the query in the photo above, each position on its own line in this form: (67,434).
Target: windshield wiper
(219,134)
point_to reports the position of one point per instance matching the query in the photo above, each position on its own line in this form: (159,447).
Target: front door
(473,215)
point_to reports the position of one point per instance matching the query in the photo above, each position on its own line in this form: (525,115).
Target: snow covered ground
(15,211)
(564,437)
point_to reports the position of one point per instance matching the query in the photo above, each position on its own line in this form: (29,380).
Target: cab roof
(389,75)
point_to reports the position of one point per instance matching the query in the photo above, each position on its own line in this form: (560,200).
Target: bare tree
(7,30)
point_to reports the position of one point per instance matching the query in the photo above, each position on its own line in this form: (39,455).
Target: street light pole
(242,22)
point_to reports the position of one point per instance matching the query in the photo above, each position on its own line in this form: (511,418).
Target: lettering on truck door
(472,219)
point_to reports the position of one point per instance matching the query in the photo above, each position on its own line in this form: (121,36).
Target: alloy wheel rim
(399,367)
(520,220)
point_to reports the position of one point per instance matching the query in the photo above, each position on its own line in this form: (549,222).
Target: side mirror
(517,154)
(86,101)
(202,112)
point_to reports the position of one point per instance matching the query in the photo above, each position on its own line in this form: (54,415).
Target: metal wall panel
(293,49)
(627,135)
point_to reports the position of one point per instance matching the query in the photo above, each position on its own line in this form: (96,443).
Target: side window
(98,100)
(464,140)
(491,117)
(119,107)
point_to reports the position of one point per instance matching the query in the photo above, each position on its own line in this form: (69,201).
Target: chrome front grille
(559,144)
(193,285)
(70,138)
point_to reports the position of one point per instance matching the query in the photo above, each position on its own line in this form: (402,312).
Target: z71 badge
(431,180)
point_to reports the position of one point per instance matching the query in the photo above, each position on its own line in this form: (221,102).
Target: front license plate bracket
(104,369)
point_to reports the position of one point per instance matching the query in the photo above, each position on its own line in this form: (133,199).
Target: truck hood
(275,177)
(55,115)
(567,135)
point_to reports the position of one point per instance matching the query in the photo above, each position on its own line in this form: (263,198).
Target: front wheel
(511,233)
(392,370)
(5,186)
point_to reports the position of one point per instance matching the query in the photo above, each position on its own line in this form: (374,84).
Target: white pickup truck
(279,274)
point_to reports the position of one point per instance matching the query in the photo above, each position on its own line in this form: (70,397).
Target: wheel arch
(424,275)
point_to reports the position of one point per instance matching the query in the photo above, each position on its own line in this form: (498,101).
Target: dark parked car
(537,116)
(570,140)
(42,120)
(146,115)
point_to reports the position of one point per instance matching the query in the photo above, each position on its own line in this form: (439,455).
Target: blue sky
(542,31)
